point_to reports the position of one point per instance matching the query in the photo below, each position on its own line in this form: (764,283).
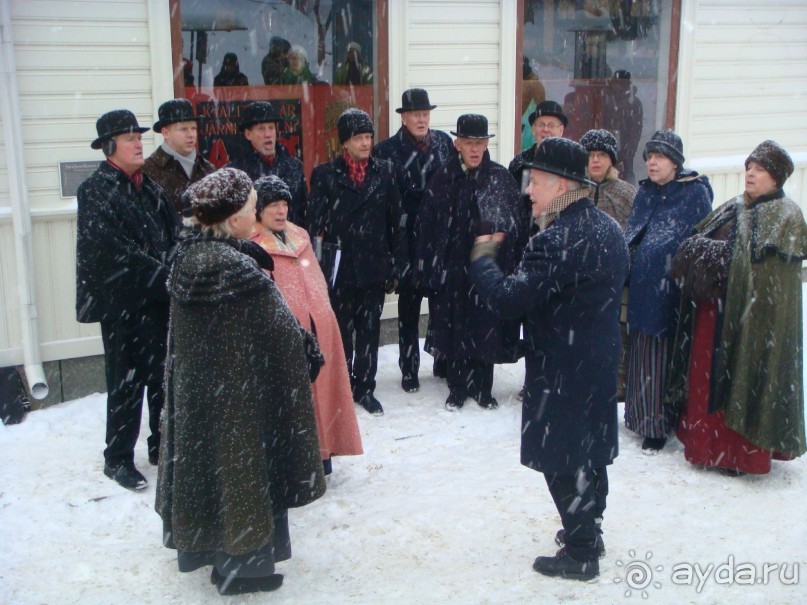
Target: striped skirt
(647,368)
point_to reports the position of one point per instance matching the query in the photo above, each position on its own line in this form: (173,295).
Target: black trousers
(134,364)
(469,377)
(580,500)
(408,335)
(358,312)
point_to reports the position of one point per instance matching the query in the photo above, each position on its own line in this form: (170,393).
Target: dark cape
(756,374)
(457,207)
(239,439)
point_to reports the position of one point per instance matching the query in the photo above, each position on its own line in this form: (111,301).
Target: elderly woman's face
(243,221)
(598,164)
(660,169)
(758,181)
(274,215)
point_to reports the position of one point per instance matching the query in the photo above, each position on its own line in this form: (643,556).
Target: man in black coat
(354,221)
(417,152)
(175,164)
(469,196)
(260,126)
(568,285)
(126,231)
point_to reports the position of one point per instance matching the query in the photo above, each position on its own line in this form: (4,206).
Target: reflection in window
(606,62)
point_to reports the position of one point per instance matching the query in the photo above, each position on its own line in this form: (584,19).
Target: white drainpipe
(20,212)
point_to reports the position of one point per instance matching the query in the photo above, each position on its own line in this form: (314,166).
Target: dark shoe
(440,368)
(455,402)
(154,458)
(371,404)
(487,402)
(520,395)
(410,384)
(245,585)
(562,565)
(653,445)
(560,540)
(126,475)
(327,466)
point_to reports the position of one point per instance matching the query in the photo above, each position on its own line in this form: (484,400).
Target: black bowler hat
(562,157)
(472,126)
(548,108)
(415,99)
(173,111)
(258,113)
(113,123)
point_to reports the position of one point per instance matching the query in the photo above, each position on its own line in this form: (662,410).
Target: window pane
(606,62)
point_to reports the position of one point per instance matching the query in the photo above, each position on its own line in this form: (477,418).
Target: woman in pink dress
(298,275)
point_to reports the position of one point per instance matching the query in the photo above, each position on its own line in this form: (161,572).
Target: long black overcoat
(285,166)
(125,239)
(414,169)
(568,285)
(239,438)
(365,221)
(456,209)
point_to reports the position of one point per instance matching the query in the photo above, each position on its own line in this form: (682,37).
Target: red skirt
(706,438)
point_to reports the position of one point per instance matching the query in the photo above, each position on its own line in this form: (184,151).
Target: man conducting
(266,156)
(417,152)
(568,285)
(126,231)
(175,164)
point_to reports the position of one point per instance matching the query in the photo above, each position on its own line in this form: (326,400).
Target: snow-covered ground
(437,510)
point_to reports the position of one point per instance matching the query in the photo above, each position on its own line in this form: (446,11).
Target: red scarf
(356,169)
(136,178)
(424,145)
(269,160)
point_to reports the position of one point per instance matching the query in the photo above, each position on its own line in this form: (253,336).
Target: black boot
(560,540)
(410,383)
(327,466)
(231,586)
(371,404)
(126,475)
(563,565)
(455,401)
(653,445)
(487,401)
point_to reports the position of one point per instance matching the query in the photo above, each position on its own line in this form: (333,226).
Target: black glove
(312,354)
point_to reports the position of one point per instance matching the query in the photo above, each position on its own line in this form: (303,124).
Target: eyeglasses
(548,125)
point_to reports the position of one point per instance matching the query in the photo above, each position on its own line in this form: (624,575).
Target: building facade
(725,74)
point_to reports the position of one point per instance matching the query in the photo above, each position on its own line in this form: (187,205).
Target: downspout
(20,211)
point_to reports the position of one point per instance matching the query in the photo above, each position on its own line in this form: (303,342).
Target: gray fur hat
(773,158)
(600,140)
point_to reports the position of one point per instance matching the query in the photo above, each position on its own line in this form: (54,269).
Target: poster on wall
(220,138)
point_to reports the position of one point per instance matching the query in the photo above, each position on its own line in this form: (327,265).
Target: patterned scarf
(136,178)
(356,169)
(559,204)
(424,144)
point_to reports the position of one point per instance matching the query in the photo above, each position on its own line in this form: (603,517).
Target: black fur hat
(773,158)
(600,140)
(562,157)
(113,123)
(354,121)
(270,189)
(219,195)
(668,144)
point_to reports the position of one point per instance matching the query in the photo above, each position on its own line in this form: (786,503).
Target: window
(311,58)
(607,63)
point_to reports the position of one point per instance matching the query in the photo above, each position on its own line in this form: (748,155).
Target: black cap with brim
(562,157)
(113,123)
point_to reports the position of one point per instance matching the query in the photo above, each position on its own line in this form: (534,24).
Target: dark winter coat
(414,170)
(521,174)
(285,166)
(568,285)
(456,209)
(662,216)
(125,240)
(168,173)
(239,439)
(365,221)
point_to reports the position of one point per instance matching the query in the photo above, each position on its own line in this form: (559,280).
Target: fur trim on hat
(600,140)
(353,121)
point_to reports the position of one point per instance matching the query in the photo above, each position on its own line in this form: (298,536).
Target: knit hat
(113,123)
(270,189)
(472,126)
(353,121)
(257,113)
(415,99)
(668,144)
(548,108)
(773,158)
(600,140)
(173,111)
(562,157)
(296,49)
(219,195)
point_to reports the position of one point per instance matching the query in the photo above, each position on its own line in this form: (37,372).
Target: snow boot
(563,565)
